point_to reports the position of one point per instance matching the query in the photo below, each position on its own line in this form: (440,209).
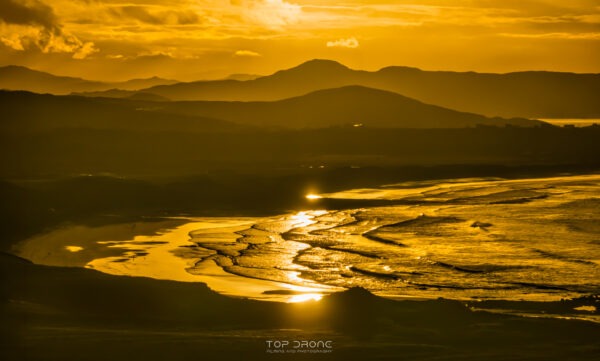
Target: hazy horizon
(190,40)
(251,76)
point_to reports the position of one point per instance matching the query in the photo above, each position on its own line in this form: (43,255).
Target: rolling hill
(42,135)
(22,78)
(345,106)
(27,112)
(532,94)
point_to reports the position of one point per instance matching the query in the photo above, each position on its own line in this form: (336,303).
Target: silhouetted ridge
(15,77)
(354,92)
(318,65)
(520,94)
(400,68)
(346,106)
(147,97)
(26,111)
(22,70)
(313,70)
(353,295)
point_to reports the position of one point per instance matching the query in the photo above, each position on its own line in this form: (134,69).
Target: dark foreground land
(78,314)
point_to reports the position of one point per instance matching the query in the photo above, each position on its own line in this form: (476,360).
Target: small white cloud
(246,53)
(351,43)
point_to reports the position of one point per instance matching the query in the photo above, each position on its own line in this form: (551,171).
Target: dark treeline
(84,151)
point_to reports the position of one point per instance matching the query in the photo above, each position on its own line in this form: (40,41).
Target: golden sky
(198,39)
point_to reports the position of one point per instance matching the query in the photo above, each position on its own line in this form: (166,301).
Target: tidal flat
(454,268)
(472,240)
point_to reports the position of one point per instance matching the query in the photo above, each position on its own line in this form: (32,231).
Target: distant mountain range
(351,106)
(531,94)
(243,77)
(21,78)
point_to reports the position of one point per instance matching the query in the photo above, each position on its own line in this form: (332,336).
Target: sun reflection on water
(302,293)
(305,218)
(73,249)
(305,297)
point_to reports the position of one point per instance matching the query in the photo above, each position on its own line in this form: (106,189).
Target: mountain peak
(321,64)
(355,91)
(10,67)
(18,69)
(316,66)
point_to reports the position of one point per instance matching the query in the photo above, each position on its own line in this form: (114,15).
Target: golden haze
(200,39)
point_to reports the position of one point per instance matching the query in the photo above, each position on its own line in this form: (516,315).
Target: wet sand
(166,250)
(472,240)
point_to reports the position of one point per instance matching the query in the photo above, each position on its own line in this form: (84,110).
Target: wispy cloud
(269,13)
(567,36)
(155,15)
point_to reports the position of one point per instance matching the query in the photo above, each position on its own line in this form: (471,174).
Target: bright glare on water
(528,239)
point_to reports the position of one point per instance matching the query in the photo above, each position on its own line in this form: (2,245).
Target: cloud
(272,14)
(31,23)
(249,53)
(85,50)
(351,43)
(155,17)
(484,35)
(12,41)
(567,36)
(32,12)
